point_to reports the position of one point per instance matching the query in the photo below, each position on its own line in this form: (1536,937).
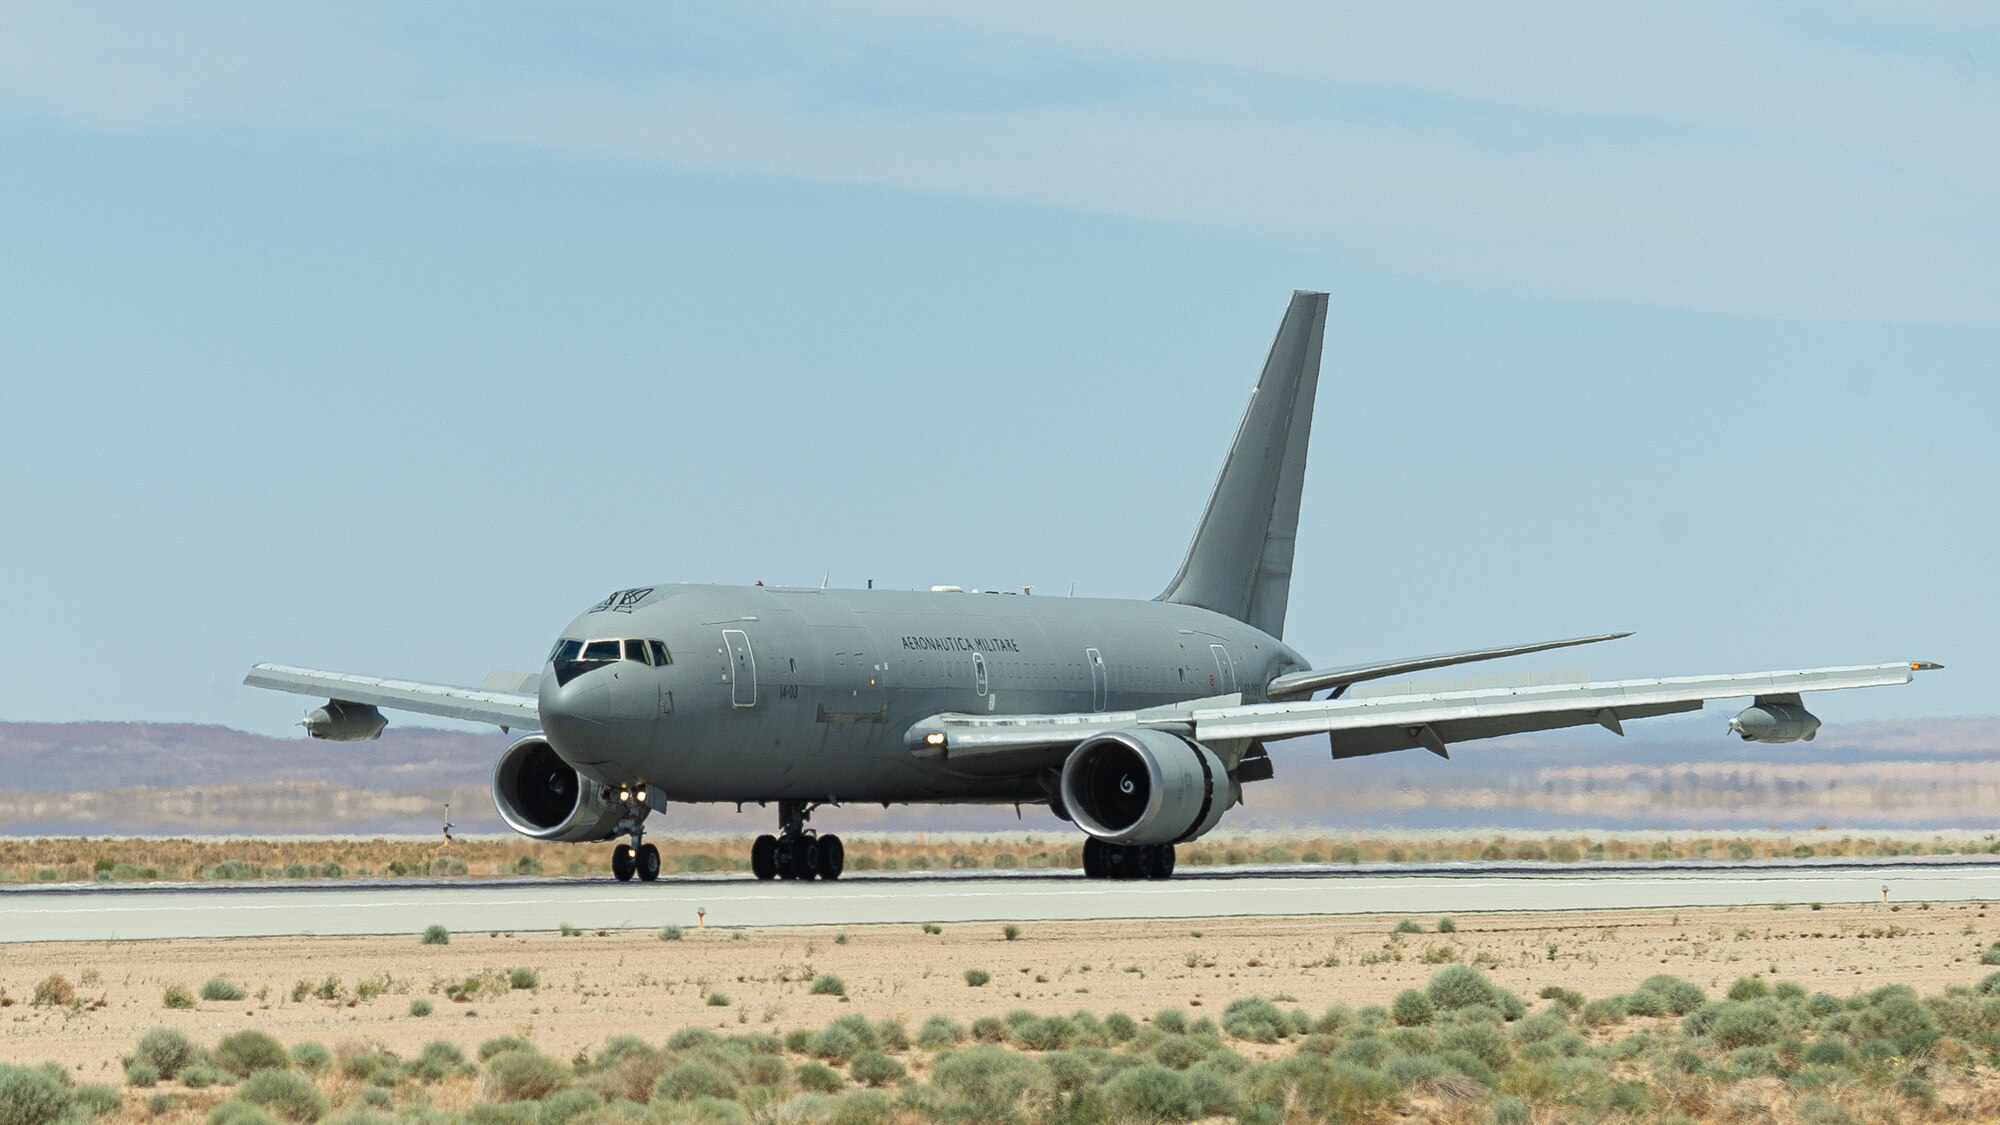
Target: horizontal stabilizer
(1294,685)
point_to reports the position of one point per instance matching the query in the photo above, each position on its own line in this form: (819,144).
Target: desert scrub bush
(523,979)
(1733,1024)
(977,978)
(1151,1092)
(939,1032)
(695,1078)
(1412,1009)
(566,1105)
(166,1050)
(1255,1019)
(817,1077)
(1680,996)
(92,1100)
(176,995)
(313,1058)
(1458,986)
(1749,988)
(440,1059)
(1568,998)
(717,1000)
(141,1074)
(221,988)
(1179,1052)
(1408,926)
(1602,1011)
(234,1113)
(518,1075)
(670,933)
(200,1076)
(1991,955)
(435,934)
(32,1096)
(54,991)
(873,1068)
(284,1093)
(420,1007)
(1120,1028)
(834,1044)
(1483,1041)
(988,1077)
(826,984)
(1010,931)
(245,1052)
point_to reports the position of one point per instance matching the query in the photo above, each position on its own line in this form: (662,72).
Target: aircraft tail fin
(1240,563)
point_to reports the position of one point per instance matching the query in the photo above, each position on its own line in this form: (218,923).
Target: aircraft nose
(575,714)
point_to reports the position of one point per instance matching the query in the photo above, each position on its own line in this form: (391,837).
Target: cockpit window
(636,650)
(661,656)
(601,650)
(565,650)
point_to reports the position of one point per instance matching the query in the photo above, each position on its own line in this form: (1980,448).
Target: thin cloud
(1761,163)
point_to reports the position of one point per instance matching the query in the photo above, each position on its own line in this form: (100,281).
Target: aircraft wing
(1373,726)
(505,709)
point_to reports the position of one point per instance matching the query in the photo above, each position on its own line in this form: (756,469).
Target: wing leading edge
(1373,726)
(508,710)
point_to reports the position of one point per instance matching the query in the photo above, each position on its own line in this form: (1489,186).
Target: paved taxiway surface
(98,912)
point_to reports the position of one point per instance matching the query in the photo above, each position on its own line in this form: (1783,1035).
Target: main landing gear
(1127,861)
(797,852)
(635,858)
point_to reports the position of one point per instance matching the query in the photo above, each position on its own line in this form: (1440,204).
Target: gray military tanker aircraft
(1138,721)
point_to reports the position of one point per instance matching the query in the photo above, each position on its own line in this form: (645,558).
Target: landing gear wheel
(623,862)
(1093,859)
(649,863)
(1163,861)
(764,857)
(1141,866)
(832,857)
(805,858)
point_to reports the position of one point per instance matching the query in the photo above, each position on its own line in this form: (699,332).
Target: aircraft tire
(1093,858)
(623,863)
(649,863)
(1163,861)
(764,857)
(832,857)
(1139,861)
(805,858)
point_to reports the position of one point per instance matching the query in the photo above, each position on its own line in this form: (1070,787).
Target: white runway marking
(193,911)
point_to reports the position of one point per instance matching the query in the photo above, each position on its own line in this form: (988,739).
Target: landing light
(639,794)
(624,794)
(934,738)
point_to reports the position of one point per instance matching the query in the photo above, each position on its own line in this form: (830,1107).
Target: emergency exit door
(742,668)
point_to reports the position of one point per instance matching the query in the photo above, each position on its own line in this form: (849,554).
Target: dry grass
(73,859)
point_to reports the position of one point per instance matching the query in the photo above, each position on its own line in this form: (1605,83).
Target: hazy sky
(385,338)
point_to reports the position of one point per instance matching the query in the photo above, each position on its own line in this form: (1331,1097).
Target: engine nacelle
(340,721)
(540,795)
(1145,787)
(1775,719)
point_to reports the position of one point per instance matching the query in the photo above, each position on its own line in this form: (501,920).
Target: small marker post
(700,918)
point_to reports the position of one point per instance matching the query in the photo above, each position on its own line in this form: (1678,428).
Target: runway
(91,912)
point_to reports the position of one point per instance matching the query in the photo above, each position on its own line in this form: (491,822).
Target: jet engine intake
(1775,718)
(540,795)
(340,721)
(1145,787)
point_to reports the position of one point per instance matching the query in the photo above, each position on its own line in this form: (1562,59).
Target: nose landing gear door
(741,668)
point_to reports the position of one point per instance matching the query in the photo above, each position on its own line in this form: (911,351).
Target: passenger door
(1099,682)
(1225,670)
(742,668)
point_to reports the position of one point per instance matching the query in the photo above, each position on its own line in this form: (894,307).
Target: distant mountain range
(172,778)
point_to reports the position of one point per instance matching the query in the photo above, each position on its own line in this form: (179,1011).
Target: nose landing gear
(797,852)
(642,860)
(1127,861)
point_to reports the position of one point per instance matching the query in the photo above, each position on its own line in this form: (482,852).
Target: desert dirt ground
(600,983)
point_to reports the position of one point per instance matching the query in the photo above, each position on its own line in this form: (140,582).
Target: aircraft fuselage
(778,693)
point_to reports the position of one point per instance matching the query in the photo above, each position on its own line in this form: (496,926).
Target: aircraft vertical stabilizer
(1240,563)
